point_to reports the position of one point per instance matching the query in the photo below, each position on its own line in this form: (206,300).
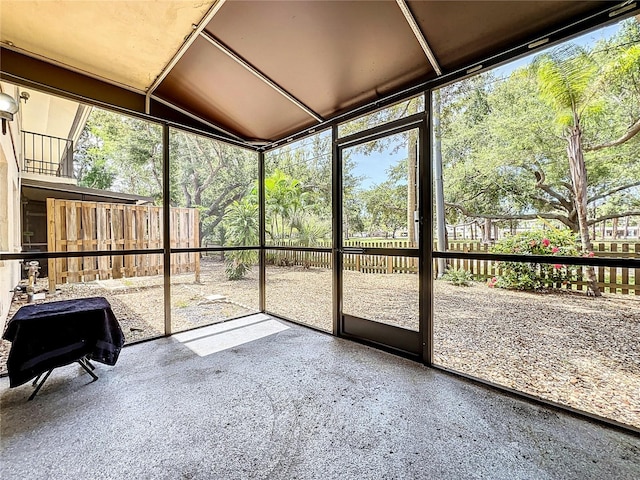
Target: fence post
(89,264)
(613,271)
(71,218)
(636,272)
(601,269)
(117,237)
(625,271)
(195,231)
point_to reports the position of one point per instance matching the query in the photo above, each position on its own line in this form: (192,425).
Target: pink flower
(491,282)
(557,266)
(591,254)
(555,250)
(533,243)
(545,242)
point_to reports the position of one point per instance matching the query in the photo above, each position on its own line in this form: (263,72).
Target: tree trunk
(614,229)
(626,227)
(579,179)
(486,231)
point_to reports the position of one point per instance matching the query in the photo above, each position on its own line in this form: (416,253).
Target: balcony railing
(47,155)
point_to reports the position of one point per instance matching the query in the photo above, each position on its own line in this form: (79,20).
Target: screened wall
(446,227)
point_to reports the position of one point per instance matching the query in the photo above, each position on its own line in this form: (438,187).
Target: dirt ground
(565,347)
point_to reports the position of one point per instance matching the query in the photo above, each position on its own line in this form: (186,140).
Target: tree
(566,77)
(386,207)
(90,158)
(124,154)
(385,115)
(209,175)
(284,204)
(241,223)
(506,142)
(298,184)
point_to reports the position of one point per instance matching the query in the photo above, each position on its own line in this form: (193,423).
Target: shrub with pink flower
(535,275)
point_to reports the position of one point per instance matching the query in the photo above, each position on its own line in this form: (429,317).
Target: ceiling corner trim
(419,35)
(215,8)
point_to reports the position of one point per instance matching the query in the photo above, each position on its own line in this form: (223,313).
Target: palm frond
(564,76)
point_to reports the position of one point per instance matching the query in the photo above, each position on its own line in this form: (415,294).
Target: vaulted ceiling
(263,70)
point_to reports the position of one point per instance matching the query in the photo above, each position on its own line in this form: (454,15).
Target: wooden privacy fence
(610,279)
(74,226)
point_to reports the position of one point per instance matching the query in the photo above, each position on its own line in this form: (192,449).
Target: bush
(536,276)
(459,277)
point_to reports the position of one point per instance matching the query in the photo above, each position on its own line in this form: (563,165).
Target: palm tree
(565,78)
(241,221)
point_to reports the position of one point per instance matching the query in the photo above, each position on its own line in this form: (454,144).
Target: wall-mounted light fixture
(8,107)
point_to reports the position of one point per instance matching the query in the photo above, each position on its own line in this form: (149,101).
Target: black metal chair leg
(83,365)
(89,364)
(35,380)
(39,386)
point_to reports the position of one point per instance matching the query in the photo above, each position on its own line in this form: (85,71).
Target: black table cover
(50,335)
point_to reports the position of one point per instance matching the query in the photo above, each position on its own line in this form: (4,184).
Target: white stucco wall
(9,212)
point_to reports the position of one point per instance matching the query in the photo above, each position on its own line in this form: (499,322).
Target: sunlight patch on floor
(222,336)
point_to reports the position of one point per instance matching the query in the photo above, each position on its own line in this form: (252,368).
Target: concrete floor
(292,404)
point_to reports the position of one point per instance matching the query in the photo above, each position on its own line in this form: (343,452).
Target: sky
(373,168)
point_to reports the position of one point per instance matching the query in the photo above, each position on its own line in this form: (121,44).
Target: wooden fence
(351,261)
(74,226)
(610,279)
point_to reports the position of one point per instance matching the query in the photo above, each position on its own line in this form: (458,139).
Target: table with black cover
(51,335)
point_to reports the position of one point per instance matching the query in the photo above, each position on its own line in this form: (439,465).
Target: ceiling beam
(241,61)
(181,51)
(419,35)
